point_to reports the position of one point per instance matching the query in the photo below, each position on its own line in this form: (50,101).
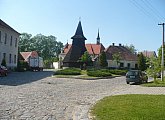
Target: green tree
(103,60)
(142,62)
(117,58)
(160,55)
(131,47)
(47,46)
(154,67)
(86,59)
(3,62)
(25,43)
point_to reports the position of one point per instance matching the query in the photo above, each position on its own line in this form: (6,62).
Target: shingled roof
(149,54)
(123,51)
(79,32)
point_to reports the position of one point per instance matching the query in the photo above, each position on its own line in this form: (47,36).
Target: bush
(68,71)
(4,63)
(22,66)
(118,72)
(98,73)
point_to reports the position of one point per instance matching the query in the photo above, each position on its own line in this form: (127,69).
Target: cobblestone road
(38,96)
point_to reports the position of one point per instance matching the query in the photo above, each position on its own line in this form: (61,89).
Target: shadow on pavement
(19,78)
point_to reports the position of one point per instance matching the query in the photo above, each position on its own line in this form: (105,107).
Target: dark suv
(136,76)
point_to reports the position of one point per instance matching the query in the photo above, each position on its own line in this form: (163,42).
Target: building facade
(127,59)
(9,39)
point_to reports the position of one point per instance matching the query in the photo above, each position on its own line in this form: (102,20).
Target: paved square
(38,96)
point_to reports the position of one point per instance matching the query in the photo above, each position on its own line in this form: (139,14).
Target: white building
(9,39)
(126,58)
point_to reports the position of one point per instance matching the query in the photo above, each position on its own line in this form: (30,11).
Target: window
(11,40)
(128,65)
(136,66)
(9,58)
(5,38)
(16,42)
(0,37)
(15,59)
(121,65)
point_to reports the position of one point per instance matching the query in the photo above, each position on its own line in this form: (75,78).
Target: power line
(143,10)
(153,10)
(148,9)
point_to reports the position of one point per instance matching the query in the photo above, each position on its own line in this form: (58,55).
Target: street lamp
(162,62)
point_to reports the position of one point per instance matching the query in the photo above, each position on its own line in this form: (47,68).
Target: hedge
(68,71)
(98,73)
(118,72)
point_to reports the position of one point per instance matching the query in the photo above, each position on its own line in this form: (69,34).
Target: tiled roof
(26,55)
(7,26)
(123,51)
(149,54)
(93,49)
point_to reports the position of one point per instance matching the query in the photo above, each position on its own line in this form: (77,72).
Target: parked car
(136,76)
(3,71)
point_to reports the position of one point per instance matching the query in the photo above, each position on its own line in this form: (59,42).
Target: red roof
(125,54)
(93,49)
(26,55)
(149,54)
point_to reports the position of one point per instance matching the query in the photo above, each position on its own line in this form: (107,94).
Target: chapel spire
(98,38)
(79,32)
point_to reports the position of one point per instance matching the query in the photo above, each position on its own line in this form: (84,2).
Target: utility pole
(162,62)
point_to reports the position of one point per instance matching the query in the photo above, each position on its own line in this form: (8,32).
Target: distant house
(9,39)
(149,54)
(25,55)
(127,58)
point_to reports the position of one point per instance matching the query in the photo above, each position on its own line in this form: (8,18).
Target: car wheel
(127,82)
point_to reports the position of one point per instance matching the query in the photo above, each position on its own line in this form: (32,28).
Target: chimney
(120,44)
(113,44)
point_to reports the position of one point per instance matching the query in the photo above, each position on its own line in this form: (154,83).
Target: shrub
(4,63)
(22,66)
(118,72)
(68,71)
(98,73)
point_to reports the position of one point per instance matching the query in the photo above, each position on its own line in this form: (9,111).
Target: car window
(132,73)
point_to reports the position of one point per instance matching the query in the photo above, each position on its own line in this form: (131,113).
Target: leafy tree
(117,58)
(131,47)
(25,43)
(103,60)
(4,62)
(154,67)
(46,46)
(86,59)
(160,55)
(142,62)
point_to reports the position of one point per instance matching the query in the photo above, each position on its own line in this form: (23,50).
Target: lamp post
(162,62)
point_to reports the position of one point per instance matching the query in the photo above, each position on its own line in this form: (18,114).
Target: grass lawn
(130,107)
(157,83)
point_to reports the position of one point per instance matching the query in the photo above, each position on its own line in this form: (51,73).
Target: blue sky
(119,21)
